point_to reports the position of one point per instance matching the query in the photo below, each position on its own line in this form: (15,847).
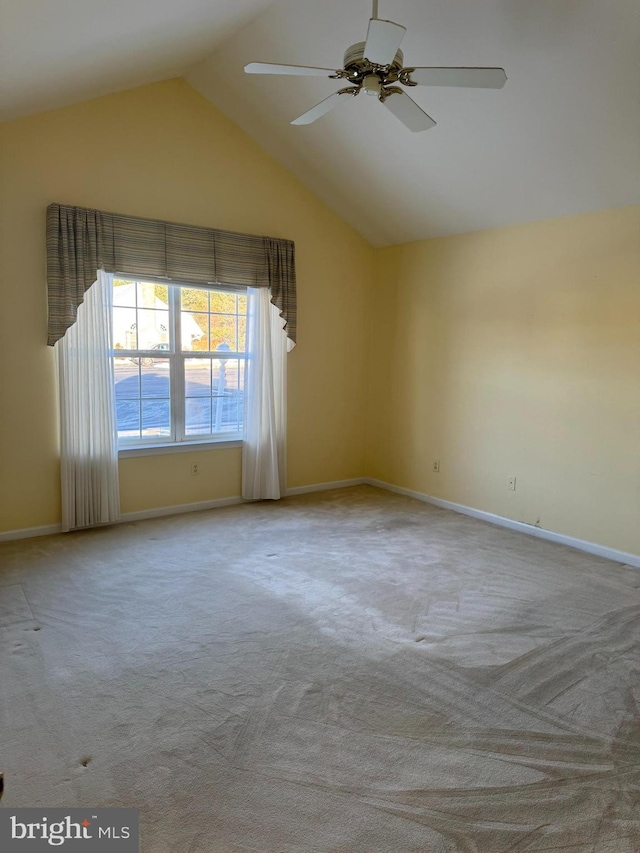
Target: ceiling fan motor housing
(360,68)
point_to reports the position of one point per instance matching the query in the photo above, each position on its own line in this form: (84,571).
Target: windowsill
(178,447)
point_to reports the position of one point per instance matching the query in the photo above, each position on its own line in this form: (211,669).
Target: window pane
(231,421)
(224,331)
(126,378)
(242,304)
(225,413)
(216,414)
(152,295)
(228,402)
(124,292)
(125,328)
(219,376)
(156,380)
(242,334)
(197,377)
(197,415)
(128,418)
(194,329)
(194,299)
(156,418)
(223,303)
(228,375)
(153,328)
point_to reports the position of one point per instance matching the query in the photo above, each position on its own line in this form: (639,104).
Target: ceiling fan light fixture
(372,85)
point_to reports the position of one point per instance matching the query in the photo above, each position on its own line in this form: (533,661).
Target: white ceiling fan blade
(324,106)
(383,41)
(475,78)
(409,113)
(293,70)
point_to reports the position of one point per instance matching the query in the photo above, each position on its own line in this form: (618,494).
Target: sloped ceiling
(562,137)
(58,52)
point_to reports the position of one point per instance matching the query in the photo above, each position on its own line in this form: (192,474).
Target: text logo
(80,830)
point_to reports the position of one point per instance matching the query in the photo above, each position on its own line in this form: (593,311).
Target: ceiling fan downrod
(374,10)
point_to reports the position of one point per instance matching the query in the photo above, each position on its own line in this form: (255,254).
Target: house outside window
(179,357)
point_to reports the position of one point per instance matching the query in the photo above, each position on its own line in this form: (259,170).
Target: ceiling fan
(376,66)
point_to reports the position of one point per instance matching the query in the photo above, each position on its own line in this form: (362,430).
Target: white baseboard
(520,526)
(157,512)
(549,535)
(232,501)
(30,532)
(325,487)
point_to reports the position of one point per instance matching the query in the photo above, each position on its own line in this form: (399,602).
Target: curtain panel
(88,432)
(80,241)
(264,444)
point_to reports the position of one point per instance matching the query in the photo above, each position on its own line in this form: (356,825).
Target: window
(179,356)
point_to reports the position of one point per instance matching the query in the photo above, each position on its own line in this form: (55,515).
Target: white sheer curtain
(265,422)
(88,434)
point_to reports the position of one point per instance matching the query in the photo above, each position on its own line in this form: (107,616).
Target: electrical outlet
(511,484)
(436,466)
(195,469)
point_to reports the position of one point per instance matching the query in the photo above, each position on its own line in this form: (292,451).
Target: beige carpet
(349,672)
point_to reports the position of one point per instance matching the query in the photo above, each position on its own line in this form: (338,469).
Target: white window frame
(177,441)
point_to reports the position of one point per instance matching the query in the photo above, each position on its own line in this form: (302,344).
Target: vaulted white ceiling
(57,52)
(562,137)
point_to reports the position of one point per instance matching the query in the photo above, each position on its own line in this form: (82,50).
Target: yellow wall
(515,352)
(162,151)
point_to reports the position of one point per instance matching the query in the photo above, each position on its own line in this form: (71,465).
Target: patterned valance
(81,241)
